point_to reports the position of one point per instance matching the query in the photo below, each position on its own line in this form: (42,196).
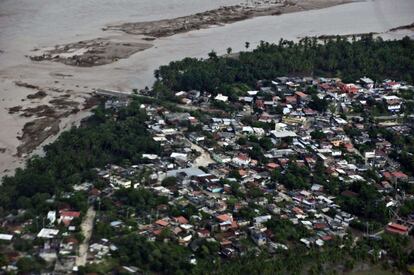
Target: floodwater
(29,24)
(36,23)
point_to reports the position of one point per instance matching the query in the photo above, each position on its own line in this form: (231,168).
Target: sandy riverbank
(89,53)
(220,16)
(101,51)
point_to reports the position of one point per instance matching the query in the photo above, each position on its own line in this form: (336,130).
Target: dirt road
(87,228)
(204,159)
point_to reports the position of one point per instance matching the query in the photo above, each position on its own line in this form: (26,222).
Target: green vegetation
(367,203)
(155,256)
(69,160)
(335,57)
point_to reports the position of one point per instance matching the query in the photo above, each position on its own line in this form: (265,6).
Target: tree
(27,264)
(320,105)
(169,181)
(247,45)
(213,55)
(3,260)
(318,135)
(229,50)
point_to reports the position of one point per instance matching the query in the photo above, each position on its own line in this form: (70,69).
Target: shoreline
(89,53)
(221,16)
(103,51)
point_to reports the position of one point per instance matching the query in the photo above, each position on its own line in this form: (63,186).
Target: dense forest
(338,57)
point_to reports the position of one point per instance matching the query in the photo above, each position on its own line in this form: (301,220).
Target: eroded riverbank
(102,51)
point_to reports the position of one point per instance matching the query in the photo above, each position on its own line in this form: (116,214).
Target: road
(87,228)
(204,159)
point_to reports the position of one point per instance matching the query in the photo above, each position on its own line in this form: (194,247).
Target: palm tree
(247,45)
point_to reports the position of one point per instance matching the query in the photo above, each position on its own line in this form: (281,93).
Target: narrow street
(86,228)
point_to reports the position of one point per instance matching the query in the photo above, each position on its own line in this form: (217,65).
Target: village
(265,170)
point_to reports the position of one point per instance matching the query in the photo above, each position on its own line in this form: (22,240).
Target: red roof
(157,232)
(272,165)
(349,146)
(297,210)
(320,225)
(181,220)
(225,242)
(72,214)
(260,103)
(290,99)
(243,157)
(203,232)
(242,172)
(392,230)
(349,88)
(234,224)
(162,222)
(399,227)
(387,175)
(396,174)
(94,192)
(301,94)
(399,174)
(327,238)
(224,217)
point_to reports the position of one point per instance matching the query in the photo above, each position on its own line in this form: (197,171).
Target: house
(67,216)
(225,218)
(350,89)
(241,160)
(292,100)
(395,176)
(258,237)
(367,83)
(301,96)
(221,97)
(395,228)
(262,219)
(203,233)
(180,220)
(51,216)
(281,133)
(47,233)
(179,156)
(393,103)
(392,85)
(6,237)
(181,94)
(162,223)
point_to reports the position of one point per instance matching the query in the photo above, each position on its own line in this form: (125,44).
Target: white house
(221,97)
(51,216)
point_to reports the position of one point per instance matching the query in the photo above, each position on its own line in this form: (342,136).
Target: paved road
(87,228)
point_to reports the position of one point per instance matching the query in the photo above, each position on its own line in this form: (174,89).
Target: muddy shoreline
(405,27)
(102,51)
(48,107)
(221,16)
(88,53)
(409,27)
